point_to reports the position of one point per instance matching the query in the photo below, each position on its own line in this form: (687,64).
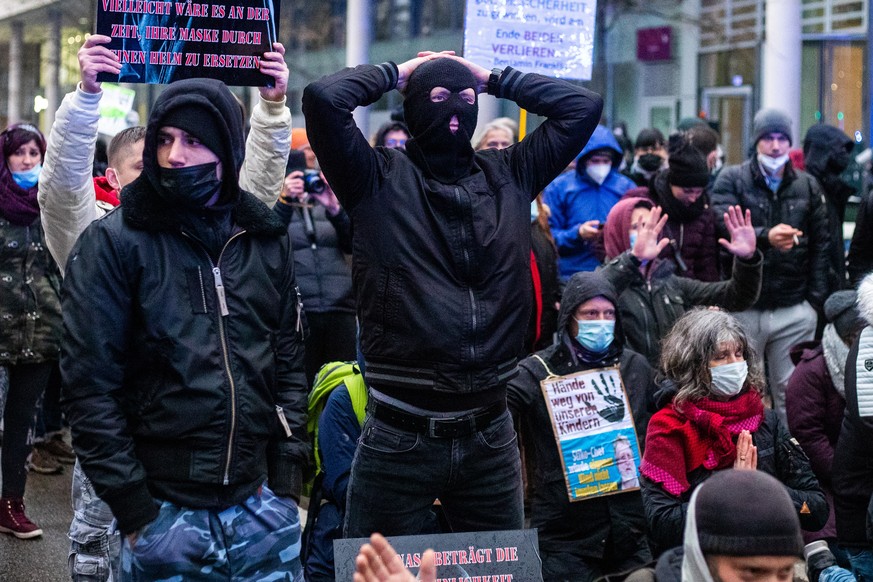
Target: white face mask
(728,379)
(772,165)
(598,172)
(534,211)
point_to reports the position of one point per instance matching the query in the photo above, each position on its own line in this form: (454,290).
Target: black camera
(312,182)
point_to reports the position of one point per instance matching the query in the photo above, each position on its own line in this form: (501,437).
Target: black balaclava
(442,155)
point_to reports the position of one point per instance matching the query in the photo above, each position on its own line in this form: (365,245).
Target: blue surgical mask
(633,239)
(596,335)
(728,379)
(29,178)
(534,211)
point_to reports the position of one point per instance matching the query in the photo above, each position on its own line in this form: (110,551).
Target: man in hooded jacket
(827,152)
(585,540)
(187,397)
(441,268)
(580,200)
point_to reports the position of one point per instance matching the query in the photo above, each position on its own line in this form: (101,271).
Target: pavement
(43,559)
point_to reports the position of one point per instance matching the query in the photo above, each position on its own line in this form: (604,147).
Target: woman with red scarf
(716,420)
(30,314)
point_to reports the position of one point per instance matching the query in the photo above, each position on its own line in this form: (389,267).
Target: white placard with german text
(550,37)
(594,431)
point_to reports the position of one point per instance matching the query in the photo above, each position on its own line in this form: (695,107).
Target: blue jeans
(836,574)
(862,563)
(257,540)
(396,476)
(95,543)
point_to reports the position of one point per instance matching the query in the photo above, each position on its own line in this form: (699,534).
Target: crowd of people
(209,307)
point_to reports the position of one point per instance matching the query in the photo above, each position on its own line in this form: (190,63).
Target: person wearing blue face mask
(587,539)
(29,312)
(712,382)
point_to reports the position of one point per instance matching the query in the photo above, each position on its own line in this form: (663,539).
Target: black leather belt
(443,427)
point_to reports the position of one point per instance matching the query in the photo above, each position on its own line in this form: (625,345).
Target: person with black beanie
(187,396)
(441,267)
(682,190)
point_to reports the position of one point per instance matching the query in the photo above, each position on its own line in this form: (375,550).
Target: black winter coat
(853,456)
(860,256)
(802,272)
(176,389)
(827,152)
(778,455)
(614,522)
(546,256)
(442,271)
(321,243)
(649,308)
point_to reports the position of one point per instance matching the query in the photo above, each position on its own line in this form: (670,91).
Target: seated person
(582,540)
(716,420)
(651,297)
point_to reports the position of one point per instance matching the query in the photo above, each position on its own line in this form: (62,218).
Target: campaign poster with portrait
(594,432)
(160,41)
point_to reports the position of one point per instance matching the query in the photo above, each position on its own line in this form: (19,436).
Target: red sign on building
(653,44)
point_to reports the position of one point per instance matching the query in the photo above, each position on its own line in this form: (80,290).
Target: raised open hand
(378,562)
(741,231)
(647,246)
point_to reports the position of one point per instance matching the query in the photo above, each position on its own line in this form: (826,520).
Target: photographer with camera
(321,237)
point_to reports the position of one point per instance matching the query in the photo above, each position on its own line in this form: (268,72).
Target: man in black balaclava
(441,267)
(182,359)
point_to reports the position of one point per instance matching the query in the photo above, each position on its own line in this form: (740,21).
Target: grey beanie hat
(771,121)
(727,525)
(841,310)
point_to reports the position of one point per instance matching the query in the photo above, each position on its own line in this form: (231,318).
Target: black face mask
(650,162)
(442,154)
(192,186)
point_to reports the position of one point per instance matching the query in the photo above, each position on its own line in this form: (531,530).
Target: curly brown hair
(693,342)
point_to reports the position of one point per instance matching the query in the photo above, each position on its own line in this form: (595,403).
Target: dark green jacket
(30,310)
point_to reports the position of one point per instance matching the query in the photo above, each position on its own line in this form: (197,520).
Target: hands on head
(404,70)
(378,562)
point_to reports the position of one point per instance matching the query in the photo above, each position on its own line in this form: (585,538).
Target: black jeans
(397,475)
(27,383)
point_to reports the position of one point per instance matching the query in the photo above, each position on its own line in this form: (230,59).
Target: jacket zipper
(283,420)
(219,290)
(474,321)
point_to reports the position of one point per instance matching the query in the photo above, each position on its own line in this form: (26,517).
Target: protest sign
(550,37)
(594,431)
(116,103)
(159,41)
(499,556)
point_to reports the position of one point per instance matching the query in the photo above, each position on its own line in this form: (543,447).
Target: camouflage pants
(258,540)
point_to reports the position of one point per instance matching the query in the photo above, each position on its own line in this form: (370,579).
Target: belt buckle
(451,427)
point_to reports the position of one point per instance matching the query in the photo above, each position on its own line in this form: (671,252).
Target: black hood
(580,288)
(217,101)
(826,150)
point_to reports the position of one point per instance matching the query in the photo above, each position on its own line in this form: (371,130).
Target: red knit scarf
(694,434)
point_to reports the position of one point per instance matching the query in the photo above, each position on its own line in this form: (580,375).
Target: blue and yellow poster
(594,431)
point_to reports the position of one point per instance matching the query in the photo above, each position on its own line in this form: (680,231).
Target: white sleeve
(267,146)
(66,186)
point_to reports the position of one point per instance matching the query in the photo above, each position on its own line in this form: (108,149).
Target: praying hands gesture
(742,233)
(378,562)
(747,453)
